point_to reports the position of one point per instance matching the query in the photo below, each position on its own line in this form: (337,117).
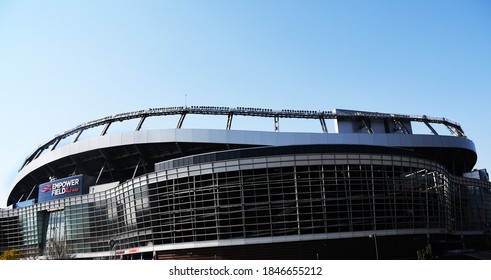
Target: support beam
(323,124)
(181,120)
(26,162)
(51,170)
(106,127)
(401,126)
(455,131)
(139,126)
(29,196)
(39,152)
(145,161)
(452,131)
(57,141)
(178,148)
(110,164)
(78,135)
(430,127)
(136,169)
(367,124)
(276,123)
(79,167)
(229,120)
(100,173)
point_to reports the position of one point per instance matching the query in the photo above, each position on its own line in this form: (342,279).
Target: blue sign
(25,203)
(60,188)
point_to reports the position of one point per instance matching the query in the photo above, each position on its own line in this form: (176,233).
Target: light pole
(376,245)
(150,243)
(112,246)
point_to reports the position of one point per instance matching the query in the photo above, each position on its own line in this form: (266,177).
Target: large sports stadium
(372,187)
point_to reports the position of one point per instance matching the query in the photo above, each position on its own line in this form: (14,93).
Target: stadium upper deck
(122,156)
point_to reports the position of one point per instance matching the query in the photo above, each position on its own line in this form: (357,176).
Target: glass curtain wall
(278,196)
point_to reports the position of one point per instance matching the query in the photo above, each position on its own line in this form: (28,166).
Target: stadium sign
(60,188)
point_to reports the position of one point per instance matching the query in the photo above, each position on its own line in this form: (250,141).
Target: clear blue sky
(63,63)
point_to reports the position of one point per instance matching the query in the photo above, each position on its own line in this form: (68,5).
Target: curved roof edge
(258,138)
(349,120)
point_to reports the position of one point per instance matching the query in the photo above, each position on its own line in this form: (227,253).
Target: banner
(60,188)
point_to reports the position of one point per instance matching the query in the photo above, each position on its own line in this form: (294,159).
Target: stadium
(373,188)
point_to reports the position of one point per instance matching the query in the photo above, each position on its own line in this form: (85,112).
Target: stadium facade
(372,188)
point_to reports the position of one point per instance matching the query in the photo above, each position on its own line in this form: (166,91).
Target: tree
(57,250)
(425,253)
(11,254)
